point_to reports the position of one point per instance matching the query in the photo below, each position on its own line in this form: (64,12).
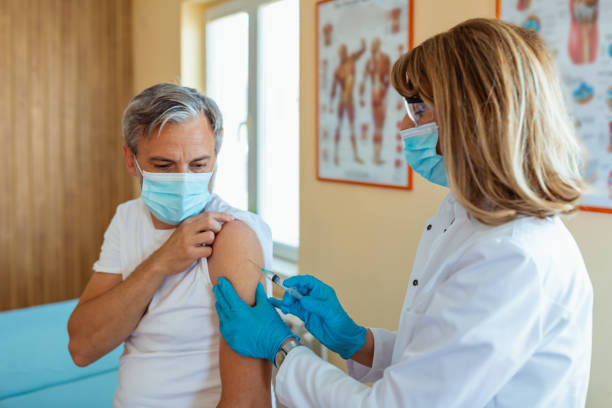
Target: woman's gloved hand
(323,315)
(256,331)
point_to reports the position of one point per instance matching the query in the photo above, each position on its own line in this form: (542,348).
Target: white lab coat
(493,317)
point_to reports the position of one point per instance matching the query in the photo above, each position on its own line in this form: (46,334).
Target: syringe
(278,281)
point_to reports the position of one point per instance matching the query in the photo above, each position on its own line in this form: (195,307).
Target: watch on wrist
(284,350)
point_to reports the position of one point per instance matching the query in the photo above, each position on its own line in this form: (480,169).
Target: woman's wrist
(365,355)
(287,345)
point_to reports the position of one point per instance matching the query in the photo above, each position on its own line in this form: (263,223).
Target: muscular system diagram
(344,78)
(357,110)
(377,70)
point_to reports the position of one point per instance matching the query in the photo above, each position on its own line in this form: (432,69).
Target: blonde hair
(508,144)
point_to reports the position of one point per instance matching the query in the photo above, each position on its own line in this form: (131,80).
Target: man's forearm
(99,325)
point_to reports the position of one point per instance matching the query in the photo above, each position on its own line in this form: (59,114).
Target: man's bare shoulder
(235,250)
(235,236)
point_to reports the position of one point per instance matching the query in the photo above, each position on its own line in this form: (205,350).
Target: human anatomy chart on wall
(358,112)
(579,33)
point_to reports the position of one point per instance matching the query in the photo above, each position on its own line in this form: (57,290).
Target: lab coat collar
(452,209)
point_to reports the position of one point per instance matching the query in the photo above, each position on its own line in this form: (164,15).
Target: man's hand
(191,240)
(110,308)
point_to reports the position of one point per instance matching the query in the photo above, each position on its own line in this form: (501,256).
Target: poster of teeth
(579,33)
(358,111)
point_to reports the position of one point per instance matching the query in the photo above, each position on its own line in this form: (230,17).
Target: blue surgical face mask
(420,152)
(172,197)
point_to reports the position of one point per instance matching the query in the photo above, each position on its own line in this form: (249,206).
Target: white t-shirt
(172,357)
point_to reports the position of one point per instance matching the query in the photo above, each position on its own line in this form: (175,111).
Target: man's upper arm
(244,379)
(235,246)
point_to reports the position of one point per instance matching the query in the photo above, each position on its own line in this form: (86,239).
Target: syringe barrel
(277,279)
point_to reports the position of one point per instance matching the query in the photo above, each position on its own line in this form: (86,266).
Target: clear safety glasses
(417,110)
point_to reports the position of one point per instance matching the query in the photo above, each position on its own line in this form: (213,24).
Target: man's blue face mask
(172,197)
(420,144)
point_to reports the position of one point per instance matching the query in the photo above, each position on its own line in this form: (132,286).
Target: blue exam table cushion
(91,392)
(34,351)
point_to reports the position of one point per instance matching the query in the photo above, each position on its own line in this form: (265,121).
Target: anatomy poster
(579,33)
(358,112)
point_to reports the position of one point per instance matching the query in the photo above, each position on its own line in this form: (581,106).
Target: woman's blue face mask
(172,197)
(420,144)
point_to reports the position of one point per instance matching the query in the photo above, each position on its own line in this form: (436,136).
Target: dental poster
(579,33)
(358,111)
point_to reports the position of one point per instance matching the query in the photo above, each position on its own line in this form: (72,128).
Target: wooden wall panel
(66,76)
(6,224)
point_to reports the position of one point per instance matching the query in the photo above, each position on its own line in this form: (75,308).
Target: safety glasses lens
(408,110)
(415,110)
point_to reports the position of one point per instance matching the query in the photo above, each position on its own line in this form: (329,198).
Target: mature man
(152,285)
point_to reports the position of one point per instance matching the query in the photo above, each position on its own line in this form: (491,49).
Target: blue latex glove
(323,315)
(256,331)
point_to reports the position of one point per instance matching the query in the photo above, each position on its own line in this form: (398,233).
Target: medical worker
(498,307)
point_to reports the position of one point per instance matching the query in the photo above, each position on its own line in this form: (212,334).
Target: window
(252,71)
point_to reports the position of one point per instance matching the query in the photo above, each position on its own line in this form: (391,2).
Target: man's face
(179,148)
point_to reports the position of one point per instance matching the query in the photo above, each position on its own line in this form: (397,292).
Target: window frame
(251,8)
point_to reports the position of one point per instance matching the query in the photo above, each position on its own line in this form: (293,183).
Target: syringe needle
(255,263)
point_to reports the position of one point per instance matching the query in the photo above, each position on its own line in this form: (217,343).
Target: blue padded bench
(36,369)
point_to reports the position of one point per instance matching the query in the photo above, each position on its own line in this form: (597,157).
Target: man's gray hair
(160,104)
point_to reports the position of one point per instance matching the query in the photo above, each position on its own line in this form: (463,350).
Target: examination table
(36,369)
